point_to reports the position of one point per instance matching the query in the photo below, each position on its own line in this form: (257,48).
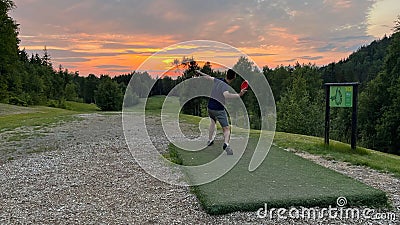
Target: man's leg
(211,130)
(227,134)
(226,128)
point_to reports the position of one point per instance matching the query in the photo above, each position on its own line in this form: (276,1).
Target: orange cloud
(232,29)
(115,54)
(94,51)
(339,4)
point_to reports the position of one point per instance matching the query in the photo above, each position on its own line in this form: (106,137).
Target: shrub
(17,101)
(108,95)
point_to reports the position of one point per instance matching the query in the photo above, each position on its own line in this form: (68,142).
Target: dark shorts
(220,116)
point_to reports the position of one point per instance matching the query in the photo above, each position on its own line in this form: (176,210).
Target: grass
(81,107)
(40,115)
(12,117)
(152,105)
(341,152)
(282,180)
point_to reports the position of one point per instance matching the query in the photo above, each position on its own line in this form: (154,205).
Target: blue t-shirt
(217,98)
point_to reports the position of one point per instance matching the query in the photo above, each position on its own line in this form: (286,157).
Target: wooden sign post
(340,95)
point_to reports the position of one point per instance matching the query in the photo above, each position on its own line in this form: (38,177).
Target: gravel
(82,172)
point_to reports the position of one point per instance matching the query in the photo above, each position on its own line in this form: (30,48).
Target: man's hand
(242,92)
(230,95)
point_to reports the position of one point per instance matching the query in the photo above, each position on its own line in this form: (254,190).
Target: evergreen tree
(296,113)
(8,49)
(108,95)
(388,128)
(379,104)
(397,25)
(71,92)
(141,83)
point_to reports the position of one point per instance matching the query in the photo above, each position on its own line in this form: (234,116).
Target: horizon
(119,35)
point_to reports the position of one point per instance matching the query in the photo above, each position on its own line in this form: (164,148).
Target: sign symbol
(341,96)
(338,97)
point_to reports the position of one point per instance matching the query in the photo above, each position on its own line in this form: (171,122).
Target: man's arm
(230,95)
(208,77)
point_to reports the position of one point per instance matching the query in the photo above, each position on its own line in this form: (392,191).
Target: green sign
(341,96)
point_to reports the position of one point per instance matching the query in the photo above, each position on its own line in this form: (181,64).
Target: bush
(131,99)
(108,95)
(57,104)
(17,101)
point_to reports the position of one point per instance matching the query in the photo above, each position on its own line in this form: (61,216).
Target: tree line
(300,95)
(298,89)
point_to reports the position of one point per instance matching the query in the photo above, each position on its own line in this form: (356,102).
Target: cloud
(338,4)
(233,21)
(350,38)
(311,57)
(287,60)
(227,56)
(119,45)
(70,60)
(232,29)
(79,30)
(260,54)
(57,53)
(112,72)
(327,48)
(112,66)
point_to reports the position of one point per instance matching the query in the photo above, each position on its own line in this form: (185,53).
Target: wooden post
(354,114)
(327,114)
(354,117)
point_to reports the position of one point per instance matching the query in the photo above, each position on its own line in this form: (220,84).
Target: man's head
(230,75)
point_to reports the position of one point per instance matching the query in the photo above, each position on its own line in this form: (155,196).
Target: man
(216,108)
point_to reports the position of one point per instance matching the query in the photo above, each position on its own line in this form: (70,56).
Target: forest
(298,89)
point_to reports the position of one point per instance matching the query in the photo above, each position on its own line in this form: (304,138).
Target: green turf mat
(283,180)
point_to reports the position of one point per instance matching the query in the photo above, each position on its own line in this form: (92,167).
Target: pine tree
(8,48)
(108,95)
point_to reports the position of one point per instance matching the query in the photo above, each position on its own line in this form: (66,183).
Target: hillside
(362,65)
(375,66)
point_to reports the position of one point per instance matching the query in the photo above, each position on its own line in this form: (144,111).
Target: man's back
(217,98)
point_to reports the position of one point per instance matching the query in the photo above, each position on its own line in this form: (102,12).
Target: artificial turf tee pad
(283,180)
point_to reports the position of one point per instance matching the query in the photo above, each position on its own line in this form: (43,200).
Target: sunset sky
(116,36)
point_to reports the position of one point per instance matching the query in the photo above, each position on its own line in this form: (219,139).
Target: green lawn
(15,116)
(81,107)
(152,105)
(340,152)
(282,180)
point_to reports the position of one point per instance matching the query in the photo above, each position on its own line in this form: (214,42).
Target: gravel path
(82,172)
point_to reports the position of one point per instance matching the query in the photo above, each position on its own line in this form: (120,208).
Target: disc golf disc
(244,85)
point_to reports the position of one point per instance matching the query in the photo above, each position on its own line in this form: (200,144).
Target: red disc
(244,85)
